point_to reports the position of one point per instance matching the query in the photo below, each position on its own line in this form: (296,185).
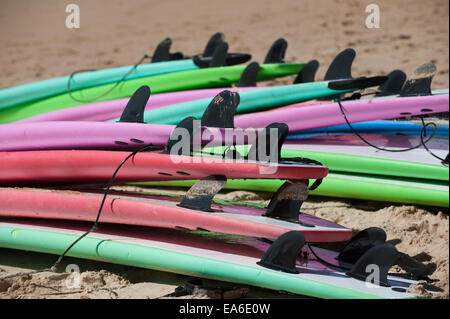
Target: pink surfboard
(160,211)
(84,135)
(328,114)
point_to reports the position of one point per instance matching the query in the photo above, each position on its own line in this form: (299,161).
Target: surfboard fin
(360,83)
(308,72)
(201,194)
(175,137)
(419,84)
(393,84)
(162,52)
(204,60)
(276,52)
(220,112)
(287,201)
(212,44)
(134,110)
(218,58)
(360,243)
(282,130)
(341,66)
(249,76)
(283,253)
(375,264)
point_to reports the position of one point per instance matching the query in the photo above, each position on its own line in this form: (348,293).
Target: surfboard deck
(62,167)
(352,145)
(184,80)
(386,127)
(207,255)
(161,211)
(381,164)
(351,186)
(324,115)
(42,89)
(86,135)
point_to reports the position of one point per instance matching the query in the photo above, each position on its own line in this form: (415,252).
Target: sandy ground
(36,45)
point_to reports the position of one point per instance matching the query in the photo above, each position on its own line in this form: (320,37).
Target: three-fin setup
(366,250)
(215,53)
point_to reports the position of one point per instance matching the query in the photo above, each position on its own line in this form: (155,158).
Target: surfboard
(385,127)
(185,80)
(79,166)
(86,135)
(108,110)
(352,145)
(42,89)
(358,164)
(235,259)
(325,115)
(215,127)
(162,211)
(350,186)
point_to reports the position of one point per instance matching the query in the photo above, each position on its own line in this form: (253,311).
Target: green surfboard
(178,81)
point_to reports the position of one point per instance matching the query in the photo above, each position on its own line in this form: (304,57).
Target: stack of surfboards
(65,141)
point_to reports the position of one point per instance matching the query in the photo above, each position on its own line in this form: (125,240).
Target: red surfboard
(87,167)
(162,211)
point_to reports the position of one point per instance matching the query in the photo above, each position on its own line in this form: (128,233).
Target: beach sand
(36,45)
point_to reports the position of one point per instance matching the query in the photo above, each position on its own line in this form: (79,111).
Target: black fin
(287,201)
(341,66)
(187,124)
(382,256)
(219,57)
(360,243)
(134,110)
(419,83)
(215,39)
(176,56)
(264,137)
(308,72)
(201,194)
(220,112)
(249,76)
(357,83)
(393,84)
(283,253)
(237,58)
(230,59)
(276,52)
(161,52)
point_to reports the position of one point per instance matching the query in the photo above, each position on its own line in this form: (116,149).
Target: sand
(36,45)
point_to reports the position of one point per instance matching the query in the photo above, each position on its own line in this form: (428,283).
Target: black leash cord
(108,91)
(422,134)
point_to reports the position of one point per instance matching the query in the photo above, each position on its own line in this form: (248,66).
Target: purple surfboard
(300,117)
(63,135)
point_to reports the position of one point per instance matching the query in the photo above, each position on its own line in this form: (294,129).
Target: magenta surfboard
(161,211)
(301,117)
(67,135)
